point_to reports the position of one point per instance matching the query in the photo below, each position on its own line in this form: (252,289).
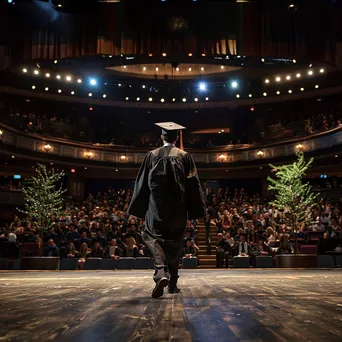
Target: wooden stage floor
(215,305)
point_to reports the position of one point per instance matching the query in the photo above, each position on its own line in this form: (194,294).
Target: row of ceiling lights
(290,77)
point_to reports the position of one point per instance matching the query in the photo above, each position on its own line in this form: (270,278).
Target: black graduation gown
(167,192)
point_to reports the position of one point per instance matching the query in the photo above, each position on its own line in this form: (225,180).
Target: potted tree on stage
(292,195)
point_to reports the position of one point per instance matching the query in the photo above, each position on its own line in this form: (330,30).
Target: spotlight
(252,109)
(150,99)
(292,7)
(79,81)
(202,86)
(58,77)
(267,81)
(104,96)
(262,60)
(150,55)
(321,71)
(127,98)
(90,94)
(46,89)
(250,95)
(164,54)
(173,100)
(47,75)
(278,92)
(184,99)
(207,98)
(298,75)
(72,93)
(278,79)
(119,85)
(125,66)
(234,84)
(294,61)
(59,91)
(68,78)
(316,86)
(138,99)
(310,72)
(290,91)
(265,94)
(93,82)
(288,77)
(196,99)
(203,54)
(190,54)
(36,72)
(162,100)
(55,61)
(301,89)
(33,87)
(143,86)
(237,96)
(24,70)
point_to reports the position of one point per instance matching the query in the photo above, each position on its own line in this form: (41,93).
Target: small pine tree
(43,196)
(293,195)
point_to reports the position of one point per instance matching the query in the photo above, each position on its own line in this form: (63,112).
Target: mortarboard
(168,127)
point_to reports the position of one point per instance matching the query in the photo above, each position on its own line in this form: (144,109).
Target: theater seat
(69,264)
(109,264)
(264,261)
(126,264)
(241,262)
(92,264)
(189,262)
(142,264)
(308,249)
(325,261)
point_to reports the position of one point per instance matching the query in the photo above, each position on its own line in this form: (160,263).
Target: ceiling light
(316,86)
(58,77)
(47,75)
(127,98)
(164,54)
(162,100)
(310,72)
(222,66)
(55,61)
(25,70)
(79,81)
(150,99)
(68,78)
(90,94)
(262,60)
(294,61)
(234,84)
(278,92)
(36,72)
(278,79)
(138,98)
(265,94)
(93,82)
(203,54)
(72,93)
(184,99)
(298,75)
(202,69)
(207,98)
(237,96)
(250,95)
(46,89)
(173,100)
(104,96)
(125,66)
(190,54)
(288,77)
(267,81)
(321,71)
(33,87)
(177,69)
(157,69)
(143,86)
(119,85)
(290,91)
(190,69)
(196,99)
(301,89)
(144,68)
(150,55)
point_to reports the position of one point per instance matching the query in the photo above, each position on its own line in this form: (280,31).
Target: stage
(215,305)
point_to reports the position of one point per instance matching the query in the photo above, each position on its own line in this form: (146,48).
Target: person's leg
(161,275)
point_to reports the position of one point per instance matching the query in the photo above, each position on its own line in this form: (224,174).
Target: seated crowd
(247,226)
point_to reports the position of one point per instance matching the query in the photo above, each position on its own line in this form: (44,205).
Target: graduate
(167,193)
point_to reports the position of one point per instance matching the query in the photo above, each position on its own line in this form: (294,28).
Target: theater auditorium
(245,98)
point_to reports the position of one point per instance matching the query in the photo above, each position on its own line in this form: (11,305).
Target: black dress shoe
(158,290)
(174,290)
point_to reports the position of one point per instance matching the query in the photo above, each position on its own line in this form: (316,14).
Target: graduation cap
(169,128)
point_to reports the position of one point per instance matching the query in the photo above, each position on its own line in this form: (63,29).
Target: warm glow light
(72,93)
(321,71)
(150,99)
(88,154)
(202,69)
(46,89)
(203,55)
(90,94)
(157,69)
(267,81)
(207,98)
(316,86)
(177,69)
(55,61)
(47,75)
(190,54)
(184,99)
(24,70)
(138,98)
(278,79)
(68,78)
(190,69)
(290,91)
(222,66)
(47,147)
(237,96)
(127,98)
(150,55)
(79,81)
(36,72)
(294,61)
(144,68)
(301,89)
(310,72)
(222,157)
(196,99)
(260,154)
(288,77)
(265,94)
(298,75)
(250,95)
(262,60)
(58,77)
(300,147)
(173,100)
(33,87)
(125,66)
(278,92)
(164,54)
(162,100)
(59,91)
